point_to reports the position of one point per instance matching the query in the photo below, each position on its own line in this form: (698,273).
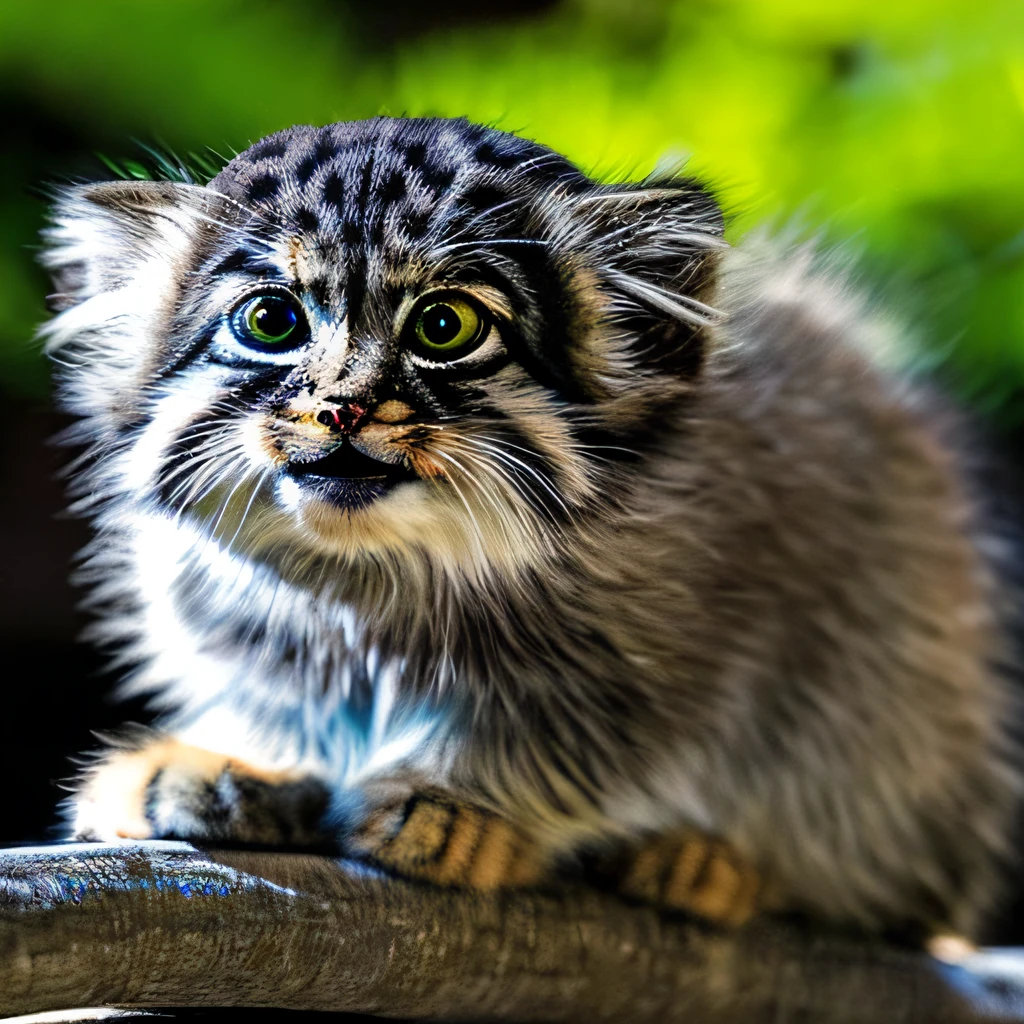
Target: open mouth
(348,478)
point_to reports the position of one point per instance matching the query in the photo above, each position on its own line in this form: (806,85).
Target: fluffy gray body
(677,546)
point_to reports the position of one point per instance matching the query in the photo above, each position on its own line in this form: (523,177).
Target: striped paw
(696,874)
(437,839)
(165,789)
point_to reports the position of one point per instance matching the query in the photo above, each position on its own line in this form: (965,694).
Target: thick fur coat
(669,546)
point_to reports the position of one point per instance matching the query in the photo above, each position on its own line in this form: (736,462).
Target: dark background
(894,129)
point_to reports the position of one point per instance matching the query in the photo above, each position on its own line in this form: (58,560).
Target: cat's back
(809,425)
(815,505)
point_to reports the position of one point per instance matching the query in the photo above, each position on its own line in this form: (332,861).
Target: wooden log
(163,924)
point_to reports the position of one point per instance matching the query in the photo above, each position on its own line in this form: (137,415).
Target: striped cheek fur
(419,340)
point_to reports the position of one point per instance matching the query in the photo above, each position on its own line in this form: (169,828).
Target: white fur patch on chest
(238,700)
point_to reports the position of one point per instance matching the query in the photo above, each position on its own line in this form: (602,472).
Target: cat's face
(377,337)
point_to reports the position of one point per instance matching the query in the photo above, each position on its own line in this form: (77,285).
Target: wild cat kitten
(475,515)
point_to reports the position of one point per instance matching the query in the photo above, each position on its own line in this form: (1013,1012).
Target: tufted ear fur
(101,234)
(117,252)
(653,249)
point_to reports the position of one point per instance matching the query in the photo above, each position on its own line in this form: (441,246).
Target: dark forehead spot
(440,178)
(306,169)
(416,223)
(393,188)
(334,191)
(365,180)
(486,153)
(267,149)
(415,154)
(483,197)
(263,187)
(307,220)
(351,233)
(325,149)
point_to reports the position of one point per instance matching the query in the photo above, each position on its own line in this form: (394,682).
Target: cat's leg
(430,835)
(694,873)
(424,833)
(163,788)
(158,787)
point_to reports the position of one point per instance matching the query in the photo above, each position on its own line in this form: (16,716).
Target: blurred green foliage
(895,126)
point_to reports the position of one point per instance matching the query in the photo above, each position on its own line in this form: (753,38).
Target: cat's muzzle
(348,478)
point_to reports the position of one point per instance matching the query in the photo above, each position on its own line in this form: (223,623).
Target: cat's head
(388,336)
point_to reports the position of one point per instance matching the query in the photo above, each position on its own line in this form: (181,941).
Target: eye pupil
(269,323)
(441,324)
(272,319)
(453,325)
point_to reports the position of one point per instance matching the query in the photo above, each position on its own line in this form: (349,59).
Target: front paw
(434,837)
(697,874)
(170,790)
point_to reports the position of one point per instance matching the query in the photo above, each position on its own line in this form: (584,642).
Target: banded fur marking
(455,844)
(695,874)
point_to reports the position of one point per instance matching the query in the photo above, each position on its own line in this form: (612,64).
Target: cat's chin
(352,516)
(413,518)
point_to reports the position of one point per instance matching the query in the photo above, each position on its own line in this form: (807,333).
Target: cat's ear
(653,249)
(102,236)
(118,253)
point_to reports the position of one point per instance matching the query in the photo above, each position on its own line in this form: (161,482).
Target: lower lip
(350,493)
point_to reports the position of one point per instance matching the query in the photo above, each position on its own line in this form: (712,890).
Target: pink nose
(345,418)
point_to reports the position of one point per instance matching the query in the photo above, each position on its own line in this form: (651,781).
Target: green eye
(269,323)
(447,325)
